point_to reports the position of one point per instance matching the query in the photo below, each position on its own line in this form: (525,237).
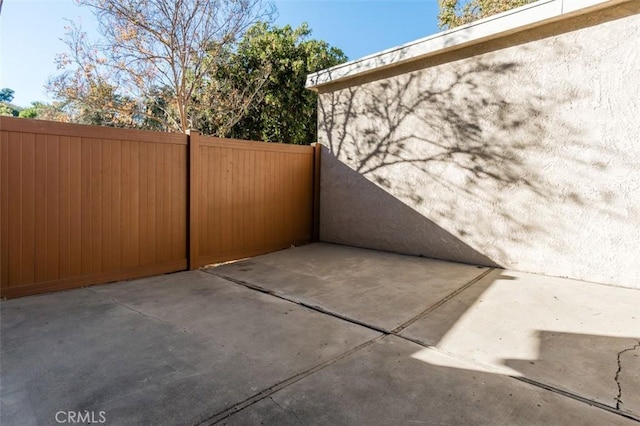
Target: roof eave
(496,26)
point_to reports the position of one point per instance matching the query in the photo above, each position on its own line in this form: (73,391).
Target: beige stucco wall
(522,152)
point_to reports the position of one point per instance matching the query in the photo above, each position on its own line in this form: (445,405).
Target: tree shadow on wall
(460,149)
(409,231)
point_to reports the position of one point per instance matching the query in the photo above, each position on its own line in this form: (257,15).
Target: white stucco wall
(521,152)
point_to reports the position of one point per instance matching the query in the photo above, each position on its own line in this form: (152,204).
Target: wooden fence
(84,205)
(247,198)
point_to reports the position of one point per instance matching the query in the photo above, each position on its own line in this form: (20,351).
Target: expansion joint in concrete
(395,332)
(266,393)
(618,397)
(301,303)
(441,302)
(576,397)
(218,417)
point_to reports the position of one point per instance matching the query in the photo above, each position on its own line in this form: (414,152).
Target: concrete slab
(173,349)
(571,335)
(384,384)
(192,348)
(629,380)
(373,287)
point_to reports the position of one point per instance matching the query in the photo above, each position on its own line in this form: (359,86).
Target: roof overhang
(496,26)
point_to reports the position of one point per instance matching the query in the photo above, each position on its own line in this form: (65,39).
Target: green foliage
(8,109)
(454,13)
(31,112)
(6,95)
(283,110)
(44,111)
(156,110)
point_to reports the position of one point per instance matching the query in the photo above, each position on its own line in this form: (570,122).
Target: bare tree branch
(149,44)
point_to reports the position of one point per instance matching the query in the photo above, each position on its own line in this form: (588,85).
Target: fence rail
(82,205)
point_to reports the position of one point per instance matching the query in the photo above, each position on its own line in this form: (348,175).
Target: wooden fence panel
(250,198)
(83,204)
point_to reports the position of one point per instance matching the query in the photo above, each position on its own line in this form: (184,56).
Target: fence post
(194,194)
(315,231)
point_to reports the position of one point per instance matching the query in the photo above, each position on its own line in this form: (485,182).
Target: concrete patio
(326,334)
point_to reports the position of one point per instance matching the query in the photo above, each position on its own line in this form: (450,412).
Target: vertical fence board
(278,212)
(28,208)
(226,202)
(53,211)
(238,193)
(15,208)
(166,206)
(97,188)
(159,203)
(259,200)
(178,206)
(106,226)
(115,204)
(152,186)
(297,192)
(218,210)
(125,210)
(133,230)
(4,209)
(315,233)
(209,204)
(205,206)
(75,206)
(291,207)
(195,174)
(40,199)
(143,219)
(250,236)
(86,242)
(271,195)
(64,225)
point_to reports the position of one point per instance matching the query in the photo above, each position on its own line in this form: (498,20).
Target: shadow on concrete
(573,338)
(384,385)
(591,364)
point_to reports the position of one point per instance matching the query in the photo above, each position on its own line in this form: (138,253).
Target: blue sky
(30,31)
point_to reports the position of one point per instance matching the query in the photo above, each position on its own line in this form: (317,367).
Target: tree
(162,50)
(30,112)
(45,111)
(8,110)
(6,107)
(6,95)
(453,14)
(284,110)
(157,110)
(228,93)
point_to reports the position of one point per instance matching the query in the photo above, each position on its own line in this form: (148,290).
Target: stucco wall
(522,152)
